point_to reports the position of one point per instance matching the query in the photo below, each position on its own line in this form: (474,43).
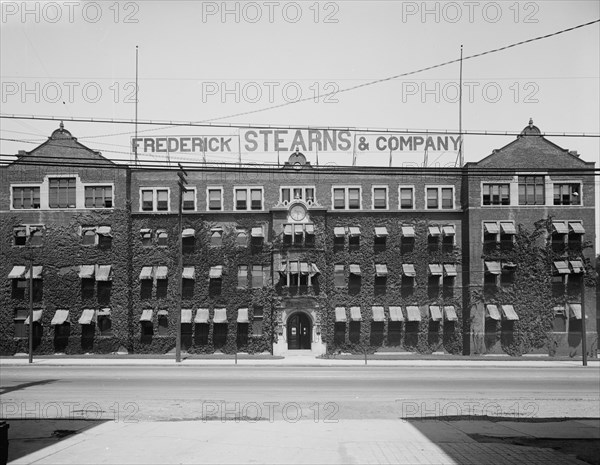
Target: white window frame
(497,183)
(439,196)
(548,190)
(190,189)
(560,181)
(31,185)
(303,198)
(100,184)
(387,196)
(28,229)
(414,200)
(214,188)
(347,198)
(249,190)
(155,199)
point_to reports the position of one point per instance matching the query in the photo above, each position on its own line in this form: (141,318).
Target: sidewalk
(342,442)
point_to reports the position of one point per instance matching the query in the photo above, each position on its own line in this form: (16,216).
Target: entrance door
(298,332)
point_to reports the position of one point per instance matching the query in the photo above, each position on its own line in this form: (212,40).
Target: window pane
(257,276)
(256,199)
(285,195)
(310,195)
(432,198)
(339,199)
(216,238)
(162,197)
(188,199)
(214,199)
(447,198)
(379,198)
(241,196)
(243,276)
(338,276)
(406,198)
(147,202)
(353,198)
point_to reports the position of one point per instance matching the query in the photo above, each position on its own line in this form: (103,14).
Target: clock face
(297,212)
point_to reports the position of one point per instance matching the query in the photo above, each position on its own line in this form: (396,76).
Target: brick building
(492,257)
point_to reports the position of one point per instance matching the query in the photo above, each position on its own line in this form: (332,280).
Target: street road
(254,393)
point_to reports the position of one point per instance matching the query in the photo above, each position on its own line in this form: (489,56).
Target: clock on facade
(297,212)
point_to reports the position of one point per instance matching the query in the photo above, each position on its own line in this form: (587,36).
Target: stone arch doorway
(299,331)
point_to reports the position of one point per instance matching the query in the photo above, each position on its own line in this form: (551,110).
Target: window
(98,197)
(257,322)
(62,193)
(567,194)
(258,276)
(162,238)
(154,200)
(496,194)
(339,276)
(248,198)
(407,201)
(216,237)
(287,194)
(380,198)
(146,236)
(241,237)
(28,235)
(26,197)
(104,323)
(215,198)
(21,329)
(163,323)
(498,233)
(20,235)
(440,198)
(531,190)
(346,198)
(242,276)
(560,319)
(88,236)
(189,199)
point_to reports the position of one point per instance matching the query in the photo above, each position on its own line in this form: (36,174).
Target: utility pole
(583,330)
(31,309)
(182,183)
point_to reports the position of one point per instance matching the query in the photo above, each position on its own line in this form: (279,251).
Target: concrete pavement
(335,442)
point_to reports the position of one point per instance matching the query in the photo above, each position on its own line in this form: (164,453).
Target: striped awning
(60,317)
(88,316)
(87,271)
(491,311)
(201,316)
(146,272)
(186,315)
(146,315)
(17,272)
(508,227)
(103,272)
(354,231)
(215,272)
(491,227)
(396,314)
(408,231)
(242,315)
(562,267)
(450,313)
(509,312)
(577,266)
(355,314)
(257,231)
(37,272)
(220,315)
(189,272)
(378,314)
(435,269)
(355,269)
(188,232)
(381,270)
(37,316)
(575,311)
(381,231)
(104,231)
(560,227)
(413,313)
(339,231)
(434,231)
(340,314)
(493,267)
(408,269)
(448,230)
(161,272)
(576,227)
(435,312)
(450,269)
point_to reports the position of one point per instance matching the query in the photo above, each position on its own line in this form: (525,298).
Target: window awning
(162,313)
(298,229)
(145,231)
(309,228)
(509,312)
(493,267)
(201,316)
(146,315)
(492,311)
(381,270)
(287,229)
(408,231)
(448,230)
(562,267)
(293,267)
(215,272)
(340,314)
(37,316)
(189,272)
(304,268)
(314,269)
(409,269)
(413,313)
(576,266)
(396,314)
(434,231)
(575,311)
(103,273)
(507,227)
(355,269)
(378,314)
(560,227)
(17,272)
(186,315)
(104,231)
(87,271)
(60,317)
(576,227)
(242,315)
(339,231)
(88,316)
(37,272)
(435,312)
(450,313)
(257,232)
(104,311)
(146,272)
(435,269)
(188,232)
(491,228)
(354,231)
(161,272)
(220,315)
(355,314)
(509,265)
(381,231)
(450,269)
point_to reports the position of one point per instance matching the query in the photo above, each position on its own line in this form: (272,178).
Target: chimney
(574,153)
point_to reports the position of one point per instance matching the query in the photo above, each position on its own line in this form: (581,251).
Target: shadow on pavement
(18,387)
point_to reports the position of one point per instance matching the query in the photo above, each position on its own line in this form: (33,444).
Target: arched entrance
(299,332)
